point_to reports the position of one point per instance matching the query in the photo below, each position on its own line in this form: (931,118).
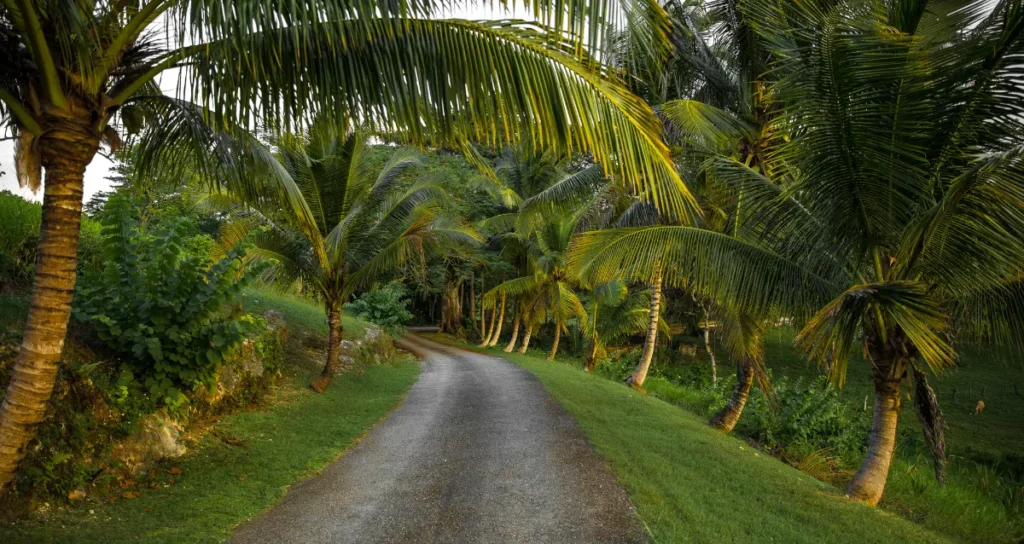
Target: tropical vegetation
(784,220)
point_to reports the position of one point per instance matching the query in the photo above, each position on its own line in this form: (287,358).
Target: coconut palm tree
(548,290)
(349,224)
(711,89)
(898,223)
(81,74)
(614,314)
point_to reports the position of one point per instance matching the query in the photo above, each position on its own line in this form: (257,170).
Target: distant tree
(336,224)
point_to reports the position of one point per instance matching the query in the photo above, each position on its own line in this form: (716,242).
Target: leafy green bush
(90,244)
(159,306)
(807,417)
(19,235)
(618,368)
(386,306)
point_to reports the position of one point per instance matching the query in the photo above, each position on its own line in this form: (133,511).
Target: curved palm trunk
(515,333)
(707,346)
(869,482)
(501,320)
(726,418)
(636,380)
(333,351)
(526,339)
(485,332)
(66,151)
(554,345)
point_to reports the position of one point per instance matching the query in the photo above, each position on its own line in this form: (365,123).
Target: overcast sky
(99,169)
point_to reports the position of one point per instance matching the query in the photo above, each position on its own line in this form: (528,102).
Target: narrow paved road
(478,452)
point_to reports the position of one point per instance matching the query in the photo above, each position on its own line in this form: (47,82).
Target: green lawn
(244,470)
(690,483)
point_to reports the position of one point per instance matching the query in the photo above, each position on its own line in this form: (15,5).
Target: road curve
(477,452)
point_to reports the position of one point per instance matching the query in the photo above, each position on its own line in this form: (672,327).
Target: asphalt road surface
(478,452)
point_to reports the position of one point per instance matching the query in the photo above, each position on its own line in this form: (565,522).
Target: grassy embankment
(249,459)
(693,484)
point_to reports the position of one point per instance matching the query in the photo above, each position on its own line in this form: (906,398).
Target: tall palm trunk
(709,348)
(636,380)
(869,482)
(726,418)
(479,326)
(66,151)
(501,320)
(526,338)
(333,351)
(554,345)
(489,330)
(451,309)
(515,332)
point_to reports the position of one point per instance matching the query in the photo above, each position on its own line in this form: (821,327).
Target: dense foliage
(386,306)
(159,306)
(19,237)
(805,417)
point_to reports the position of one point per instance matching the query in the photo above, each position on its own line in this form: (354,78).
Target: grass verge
(246,462)
(690,483)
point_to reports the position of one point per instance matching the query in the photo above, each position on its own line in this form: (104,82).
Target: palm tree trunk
(333,351)
(451,309)
(869,482)
(592,357)
(554,345)
(501,320)
(481,325)
(489,331)
(526,338)
(707,346)
(515,332)
(636,380)
(66,151)
(726,418)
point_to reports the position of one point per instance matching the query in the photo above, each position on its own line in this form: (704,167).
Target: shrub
(160,307)
(618,367)
(808,417)
(386,306)
(19,235)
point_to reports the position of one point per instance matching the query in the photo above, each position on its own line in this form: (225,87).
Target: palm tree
(744,336)
(348,224)
(79,74)
(711,89)
(616,313)
(898,224)
(548,289)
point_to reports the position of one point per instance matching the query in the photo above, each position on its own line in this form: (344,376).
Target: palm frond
(719,266)
(448,80)
(709,126)
(829,335)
